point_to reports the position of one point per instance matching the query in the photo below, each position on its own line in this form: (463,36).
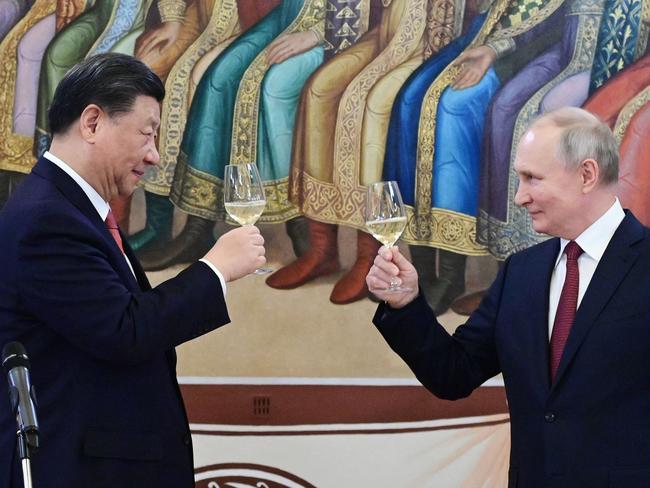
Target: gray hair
(584,136)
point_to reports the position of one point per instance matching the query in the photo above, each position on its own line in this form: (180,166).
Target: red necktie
(111,224)
(566,308)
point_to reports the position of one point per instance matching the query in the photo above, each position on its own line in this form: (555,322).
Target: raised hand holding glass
(386,218)
(243,196)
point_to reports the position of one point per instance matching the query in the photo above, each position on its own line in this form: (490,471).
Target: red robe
(634,166)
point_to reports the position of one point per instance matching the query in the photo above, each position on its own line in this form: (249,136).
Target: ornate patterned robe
(107,26)
(440,180)
(345,109)
(243,111)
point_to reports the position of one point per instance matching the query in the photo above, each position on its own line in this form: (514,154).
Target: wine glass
(386,218)
(243,196)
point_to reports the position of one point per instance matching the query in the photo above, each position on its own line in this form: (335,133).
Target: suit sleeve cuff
(218,273)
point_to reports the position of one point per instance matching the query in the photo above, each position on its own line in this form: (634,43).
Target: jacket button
(549,417)
(187,439)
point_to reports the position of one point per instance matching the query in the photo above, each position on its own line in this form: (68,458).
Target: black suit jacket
(101,344)
(591,428)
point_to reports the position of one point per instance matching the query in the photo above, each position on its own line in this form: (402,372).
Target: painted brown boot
(321,259)
(352,286)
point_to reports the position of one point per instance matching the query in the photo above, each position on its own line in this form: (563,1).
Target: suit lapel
(610,272)
(73,192)
(540,271)
(140,275)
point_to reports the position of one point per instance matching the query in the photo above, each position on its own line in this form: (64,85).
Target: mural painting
(328,96)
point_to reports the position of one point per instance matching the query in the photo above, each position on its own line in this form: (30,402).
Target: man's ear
(90,121)
(590,174)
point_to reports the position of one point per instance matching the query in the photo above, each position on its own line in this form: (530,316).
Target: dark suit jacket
(591,428)
(100,341)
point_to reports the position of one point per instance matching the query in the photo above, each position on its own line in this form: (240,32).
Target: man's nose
(153,156)
(521,197)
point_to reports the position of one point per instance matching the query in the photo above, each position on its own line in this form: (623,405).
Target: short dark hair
(112,81)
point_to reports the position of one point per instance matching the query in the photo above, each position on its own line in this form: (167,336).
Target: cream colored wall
(298,332)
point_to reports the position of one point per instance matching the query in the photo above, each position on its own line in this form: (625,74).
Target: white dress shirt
(593,241)
(102,207)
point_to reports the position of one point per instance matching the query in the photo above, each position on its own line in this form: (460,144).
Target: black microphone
(21,393)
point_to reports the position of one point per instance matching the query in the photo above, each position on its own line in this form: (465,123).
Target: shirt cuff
(218,273)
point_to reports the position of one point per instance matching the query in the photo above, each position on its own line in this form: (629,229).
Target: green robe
(245,111)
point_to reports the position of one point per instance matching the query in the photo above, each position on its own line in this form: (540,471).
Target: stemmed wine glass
(386,218)
(243,196)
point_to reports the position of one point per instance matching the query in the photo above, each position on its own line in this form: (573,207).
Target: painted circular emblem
(246,476)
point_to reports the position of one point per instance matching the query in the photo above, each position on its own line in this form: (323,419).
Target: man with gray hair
(567,322)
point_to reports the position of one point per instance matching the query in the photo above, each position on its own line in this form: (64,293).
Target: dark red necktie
(111,224)
(566,308)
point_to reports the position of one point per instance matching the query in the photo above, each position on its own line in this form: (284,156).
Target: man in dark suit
(577,381)
(100,339)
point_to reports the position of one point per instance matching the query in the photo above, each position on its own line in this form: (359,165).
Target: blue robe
(455,161)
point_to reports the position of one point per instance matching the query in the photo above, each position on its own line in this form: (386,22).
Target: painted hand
(473,63)
(67,11)
(290,45)
(152,44)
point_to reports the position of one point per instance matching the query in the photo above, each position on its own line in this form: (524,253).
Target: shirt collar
(595,238)
(95,198)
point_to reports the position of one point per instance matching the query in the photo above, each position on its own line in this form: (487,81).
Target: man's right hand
(238,253)
(390,264)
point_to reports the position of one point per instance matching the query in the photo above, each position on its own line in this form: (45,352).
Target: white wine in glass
(243,196)
(387,231)
(246,213)
(386,218)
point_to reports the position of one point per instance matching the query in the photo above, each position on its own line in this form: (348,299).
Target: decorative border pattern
(202,195)
(628,111)
(246,116)
(445,229)
(518,26)
(344,24)
(444,24)
(343,201)
(422,226)
(221,29)
(171,10)
(407,42)
(618,37)
(16,149)
(123,18)
(644,30)
(516,233)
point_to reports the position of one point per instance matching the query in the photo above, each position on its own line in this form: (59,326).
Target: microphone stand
(24,454)
(25,442)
